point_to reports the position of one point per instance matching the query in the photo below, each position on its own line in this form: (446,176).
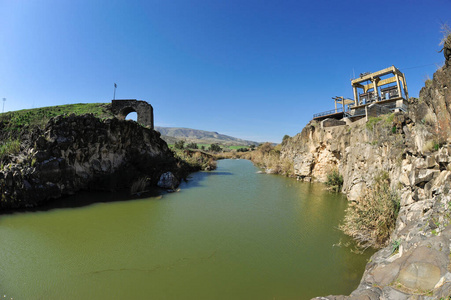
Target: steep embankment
(73,153)
(411,151)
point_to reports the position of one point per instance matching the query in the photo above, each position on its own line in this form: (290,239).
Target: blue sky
(252,69)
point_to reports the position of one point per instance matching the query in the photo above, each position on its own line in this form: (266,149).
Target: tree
(179,144)
(215,148)
(192,146)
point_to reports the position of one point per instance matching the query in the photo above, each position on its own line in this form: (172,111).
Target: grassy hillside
(200,136)
(12,123)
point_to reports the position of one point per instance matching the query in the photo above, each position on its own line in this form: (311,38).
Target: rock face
(414,149)
(83,152)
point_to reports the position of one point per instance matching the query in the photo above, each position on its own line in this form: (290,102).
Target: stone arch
(121,108)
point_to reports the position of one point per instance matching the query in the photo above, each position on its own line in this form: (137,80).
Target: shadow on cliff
(85,198)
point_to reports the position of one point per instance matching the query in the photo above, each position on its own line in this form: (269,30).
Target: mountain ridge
(200,136)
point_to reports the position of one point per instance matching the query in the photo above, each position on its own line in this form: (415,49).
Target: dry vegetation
(446,40)
(371,221)
(267,156)
(196,160)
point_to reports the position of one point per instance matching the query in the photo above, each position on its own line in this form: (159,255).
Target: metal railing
(329,112)
(391,106)
(403,107)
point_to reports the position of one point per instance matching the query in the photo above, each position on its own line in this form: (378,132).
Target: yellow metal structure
(375,82)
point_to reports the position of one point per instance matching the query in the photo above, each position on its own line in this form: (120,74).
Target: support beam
(404,83)
(397,85)
(379,83)
(376,92)
(356,99)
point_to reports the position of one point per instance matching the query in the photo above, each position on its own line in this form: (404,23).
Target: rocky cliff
(413,149)
(82,152)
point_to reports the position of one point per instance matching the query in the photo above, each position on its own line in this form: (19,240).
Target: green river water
(228,234)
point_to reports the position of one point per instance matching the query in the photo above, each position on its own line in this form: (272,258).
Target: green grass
(237,147)
(206,146)
(8,147)
(13,122)
(372,122)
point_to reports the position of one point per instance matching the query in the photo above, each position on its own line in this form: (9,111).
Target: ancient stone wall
(121,108)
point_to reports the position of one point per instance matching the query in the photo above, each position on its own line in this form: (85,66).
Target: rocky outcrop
(168,181)
(83,152)
(414,149)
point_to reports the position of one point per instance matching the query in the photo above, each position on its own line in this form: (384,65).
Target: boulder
(419,176)
(168,181)
(420,276)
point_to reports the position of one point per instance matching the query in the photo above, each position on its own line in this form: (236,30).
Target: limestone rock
(420,276)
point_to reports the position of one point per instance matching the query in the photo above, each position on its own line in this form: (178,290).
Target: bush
(285,139)
(139,186)
(372,219)
(196,160)
(215,148)
(192,146)
(372,122)
(334,181)
(179,144)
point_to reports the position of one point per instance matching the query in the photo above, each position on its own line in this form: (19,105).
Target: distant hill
(172,134)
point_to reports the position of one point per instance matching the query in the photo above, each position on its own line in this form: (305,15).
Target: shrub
(334,181)
(372,122)
(372,219)
(285,139)
(215,148)
(446,39)
(393,129)
(196,160)
(389,119)
(192,146)
(139,186)
(429,146)
(179,144)
(429,119)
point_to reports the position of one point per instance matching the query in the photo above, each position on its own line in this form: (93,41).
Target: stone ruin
(121,108)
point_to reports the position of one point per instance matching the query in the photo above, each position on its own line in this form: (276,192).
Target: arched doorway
(142,111)
(132,116)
